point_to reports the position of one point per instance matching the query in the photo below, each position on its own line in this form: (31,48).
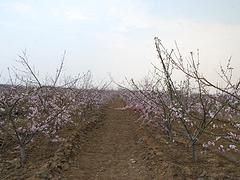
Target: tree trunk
(22,155)
(170,135)
(169,131)
(194,152)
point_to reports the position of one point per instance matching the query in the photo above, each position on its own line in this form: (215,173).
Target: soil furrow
(111,151)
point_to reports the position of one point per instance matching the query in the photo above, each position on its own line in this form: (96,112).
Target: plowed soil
(116,147)
(112,151)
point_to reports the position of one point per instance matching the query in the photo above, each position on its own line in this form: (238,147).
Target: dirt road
(111,151)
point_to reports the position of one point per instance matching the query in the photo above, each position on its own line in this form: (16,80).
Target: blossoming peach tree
(194,108)
(29,108)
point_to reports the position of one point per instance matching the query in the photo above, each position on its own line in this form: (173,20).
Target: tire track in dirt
(111,151)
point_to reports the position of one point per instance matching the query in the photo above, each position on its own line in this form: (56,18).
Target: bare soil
(112,151)
(115,146)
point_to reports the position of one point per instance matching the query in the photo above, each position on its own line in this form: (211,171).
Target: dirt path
(111,152)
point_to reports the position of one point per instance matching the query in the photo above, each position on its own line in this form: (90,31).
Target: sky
(117,36)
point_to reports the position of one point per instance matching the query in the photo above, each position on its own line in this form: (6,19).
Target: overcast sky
(116,36)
